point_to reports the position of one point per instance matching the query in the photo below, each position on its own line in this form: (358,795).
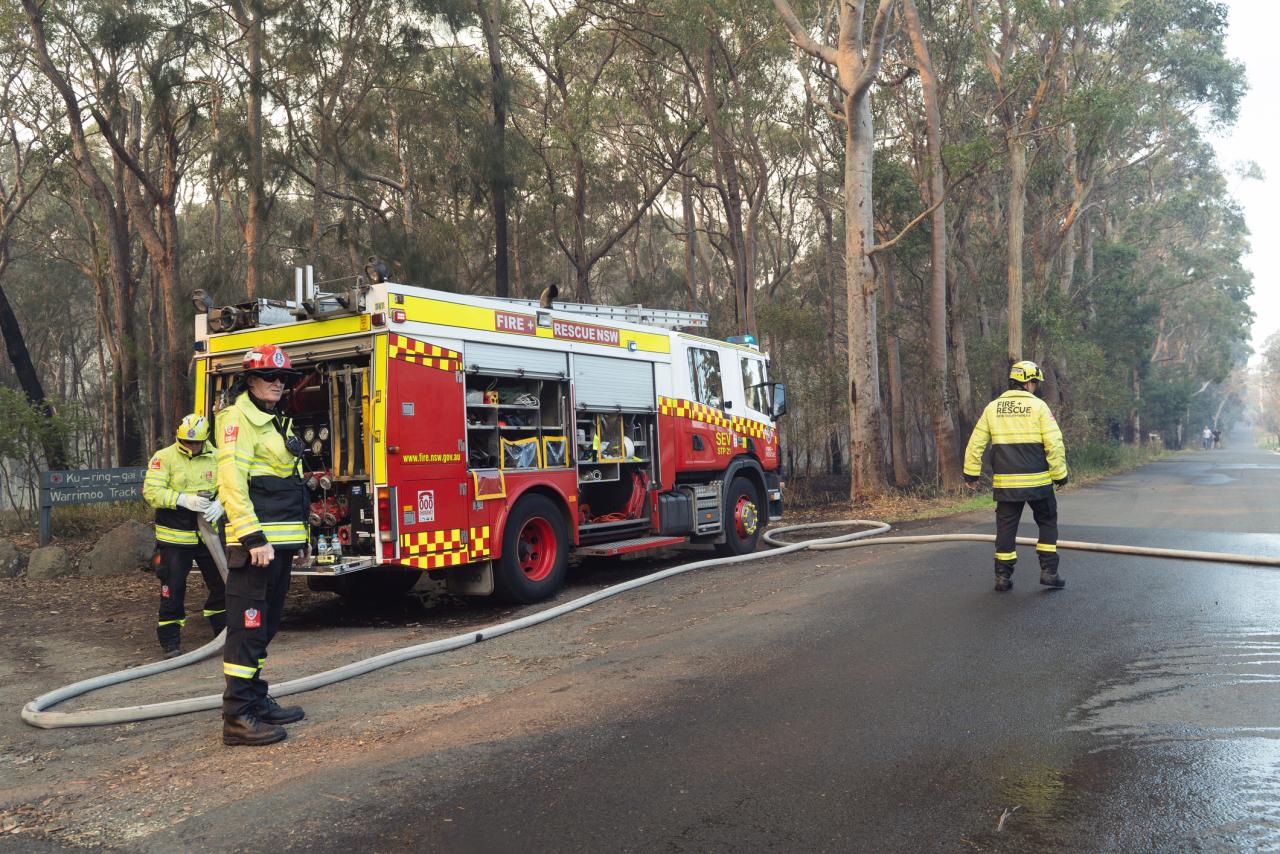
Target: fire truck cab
(483,440)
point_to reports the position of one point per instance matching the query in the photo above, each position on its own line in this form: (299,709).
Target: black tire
(742,525)
(369,584)
(535,552)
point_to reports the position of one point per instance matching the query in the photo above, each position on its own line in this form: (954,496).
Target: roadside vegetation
(897,198)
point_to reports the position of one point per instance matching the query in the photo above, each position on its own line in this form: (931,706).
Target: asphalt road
(878,699)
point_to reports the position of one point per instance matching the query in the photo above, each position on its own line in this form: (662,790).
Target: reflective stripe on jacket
(174,471)
(1027,452)
(258,480)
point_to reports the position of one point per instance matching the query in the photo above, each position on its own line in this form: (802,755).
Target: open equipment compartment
(616,471)
(330,408)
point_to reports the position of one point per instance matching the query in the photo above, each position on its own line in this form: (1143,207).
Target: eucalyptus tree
(111,209)
(583,85)
(1022,63)
(856,56)
(31,147)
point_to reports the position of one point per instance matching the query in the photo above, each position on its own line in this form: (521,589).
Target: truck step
(638,544)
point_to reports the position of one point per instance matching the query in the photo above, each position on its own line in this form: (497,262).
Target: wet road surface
(877,699)
(907,707)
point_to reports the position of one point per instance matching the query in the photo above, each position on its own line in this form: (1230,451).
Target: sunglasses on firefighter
(285,377)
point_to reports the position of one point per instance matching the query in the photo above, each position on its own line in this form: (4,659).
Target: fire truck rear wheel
(535,551)
(742,518)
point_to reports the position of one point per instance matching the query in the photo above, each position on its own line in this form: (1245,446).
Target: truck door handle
(697,442)
(393,449)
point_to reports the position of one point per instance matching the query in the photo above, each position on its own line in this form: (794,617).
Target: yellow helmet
(1025,372)
(194,428)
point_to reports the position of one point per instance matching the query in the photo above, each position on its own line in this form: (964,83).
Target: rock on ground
(12,559)
(50,562)
(125,548)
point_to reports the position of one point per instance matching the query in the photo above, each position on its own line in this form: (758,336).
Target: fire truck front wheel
(535,551)
(743,518)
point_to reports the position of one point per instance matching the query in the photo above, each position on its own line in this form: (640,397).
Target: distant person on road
(258,463)
(1217,437)
(1207,437)
(1028,458)
(181,486)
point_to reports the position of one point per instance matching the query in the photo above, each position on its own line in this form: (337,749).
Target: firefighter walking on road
(258,479)
(1028,459)
(181,485)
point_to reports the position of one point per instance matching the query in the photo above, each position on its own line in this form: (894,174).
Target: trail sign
(85,486)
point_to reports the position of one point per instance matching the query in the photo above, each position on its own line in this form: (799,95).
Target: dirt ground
(131,787)
(152,785)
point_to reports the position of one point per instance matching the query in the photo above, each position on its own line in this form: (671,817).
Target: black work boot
(171,648)
(273,713)
(249,730)
(1004,576)
(1049,571)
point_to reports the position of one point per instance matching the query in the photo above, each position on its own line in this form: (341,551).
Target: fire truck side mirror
(779,400)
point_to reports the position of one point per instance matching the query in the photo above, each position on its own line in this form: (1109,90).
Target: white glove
(191,501)
(214,513)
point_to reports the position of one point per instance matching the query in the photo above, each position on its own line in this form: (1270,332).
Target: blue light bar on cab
(744,340)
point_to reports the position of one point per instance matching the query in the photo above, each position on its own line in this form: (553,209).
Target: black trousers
(1008,515)
(175,565)
(255,605)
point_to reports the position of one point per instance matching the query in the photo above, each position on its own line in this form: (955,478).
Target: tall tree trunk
(690,240)
(1086,261)
(157,377)
(893,350)
(866,448)
(959,343)
(1015,226)
(318,208)
(15,345)
(129,440)
(939,403)
(1136,412)
(581,271)
(490,12)
(730,191)
(857,66)
(250,21)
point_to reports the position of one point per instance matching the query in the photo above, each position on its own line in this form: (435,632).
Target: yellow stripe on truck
(202,372)
(441,313)
(379,409)
(288,333)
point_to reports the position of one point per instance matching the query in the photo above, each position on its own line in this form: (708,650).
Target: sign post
(85,486)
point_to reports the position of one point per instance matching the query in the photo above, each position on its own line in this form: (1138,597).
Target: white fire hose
(36,712)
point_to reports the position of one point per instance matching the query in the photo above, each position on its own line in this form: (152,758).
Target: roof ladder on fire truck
(664,317)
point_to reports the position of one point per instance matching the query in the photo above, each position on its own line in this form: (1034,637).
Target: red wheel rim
(536,549)
(745,517)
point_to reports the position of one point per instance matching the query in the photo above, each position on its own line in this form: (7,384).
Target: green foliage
(1094,459)
(24,428)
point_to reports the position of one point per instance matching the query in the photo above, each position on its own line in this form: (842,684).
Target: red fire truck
(482,440)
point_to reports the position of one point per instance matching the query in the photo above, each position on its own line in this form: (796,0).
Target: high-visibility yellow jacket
(258,478)
(1027,452)
(174,471)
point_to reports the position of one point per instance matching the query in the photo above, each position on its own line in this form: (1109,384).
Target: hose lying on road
(36,712)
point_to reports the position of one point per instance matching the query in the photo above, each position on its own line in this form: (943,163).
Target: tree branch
(801,36)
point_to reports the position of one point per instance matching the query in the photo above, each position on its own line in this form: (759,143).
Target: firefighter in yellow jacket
(1028,459)
(260,484)
(181,486)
